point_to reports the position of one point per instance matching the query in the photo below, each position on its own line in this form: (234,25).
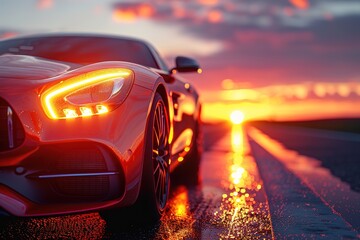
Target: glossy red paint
(90,163)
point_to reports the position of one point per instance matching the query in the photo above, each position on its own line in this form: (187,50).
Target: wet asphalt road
(247,190)
(311,178)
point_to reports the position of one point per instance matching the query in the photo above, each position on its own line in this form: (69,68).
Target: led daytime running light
(54,99)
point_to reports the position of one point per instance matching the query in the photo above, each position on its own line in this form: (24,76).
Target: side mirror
(185,64)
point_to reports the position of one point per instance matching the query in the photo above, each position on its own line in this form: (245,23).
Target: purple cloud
(281,41)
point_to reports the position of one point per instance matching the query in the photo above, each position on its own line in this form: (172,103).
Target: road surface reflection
(178,222)
(243,210)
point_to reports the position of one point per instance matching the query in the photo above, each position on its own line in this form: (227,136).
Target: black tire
(155,183)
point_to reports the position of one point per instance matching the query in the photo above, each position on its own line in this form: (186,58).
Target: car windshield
(81,49)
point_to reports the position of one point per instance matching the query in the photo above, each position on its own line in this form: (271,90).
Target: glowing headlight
(92,93)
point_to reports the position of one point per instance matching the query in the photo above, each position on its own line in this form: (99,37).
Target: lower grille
(83,186)
(11,132)
(76,158)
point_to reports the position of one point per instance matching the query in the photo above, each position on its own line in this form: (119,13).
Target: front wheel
(156,171)
(155,183)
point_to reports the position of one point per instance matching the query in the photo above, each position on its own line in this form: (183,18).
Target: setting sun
(237,117)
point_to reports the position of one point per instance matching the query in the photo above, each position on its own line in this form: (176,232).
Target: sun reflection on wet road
(241,213)
(178,222)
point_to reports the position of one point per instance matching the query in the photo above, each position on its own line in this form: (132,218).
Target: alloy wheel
(161,155)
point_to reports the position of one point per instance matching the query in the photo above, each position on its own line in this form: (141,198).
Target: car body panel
(38,177)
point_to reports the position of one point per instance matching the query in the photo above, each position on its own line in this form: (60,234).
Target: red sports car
(92,123)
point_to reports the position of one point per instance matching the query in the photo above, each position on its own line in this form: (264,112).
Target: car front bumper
(74,165)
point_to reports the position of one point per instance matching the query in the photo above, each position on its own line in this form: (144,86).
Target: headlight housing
(93,93)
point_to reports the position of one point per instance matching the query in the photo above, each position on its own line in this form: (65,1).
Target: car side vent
(11,132)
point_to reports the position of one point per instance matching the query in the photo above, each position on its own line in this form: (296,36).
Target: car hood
(30,68)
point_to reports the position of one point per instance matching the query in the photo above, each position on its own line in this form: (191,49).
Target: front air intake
(11,131)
